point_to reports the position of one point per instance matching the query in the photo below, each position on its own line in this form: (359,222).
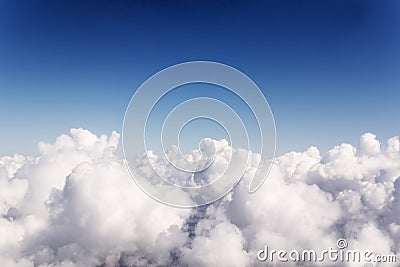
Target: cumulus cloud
(76,205)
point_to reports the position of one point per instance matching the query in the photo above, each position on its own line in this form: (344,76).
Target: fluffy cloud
(76,205)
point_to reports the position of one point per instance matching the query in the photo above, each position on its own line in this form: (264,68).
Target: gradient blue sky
(329,69)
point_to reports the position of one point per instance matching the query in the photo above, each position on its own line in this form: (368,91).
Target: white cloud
(75,205)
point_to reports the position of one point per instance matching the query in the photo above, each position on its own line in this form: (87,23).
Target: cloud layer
(76,205)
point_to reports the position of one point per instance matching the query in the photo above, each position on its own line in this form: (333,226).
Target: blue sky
(329,69)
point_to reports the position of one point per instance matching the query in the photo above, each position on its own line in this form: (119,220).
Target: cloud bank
(76,205)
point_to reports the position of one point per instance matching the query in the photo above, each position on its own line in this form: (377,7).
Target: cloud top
(76,205)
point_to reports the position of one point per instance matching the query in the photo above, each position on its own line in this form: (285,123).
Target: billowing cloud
(76,205)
